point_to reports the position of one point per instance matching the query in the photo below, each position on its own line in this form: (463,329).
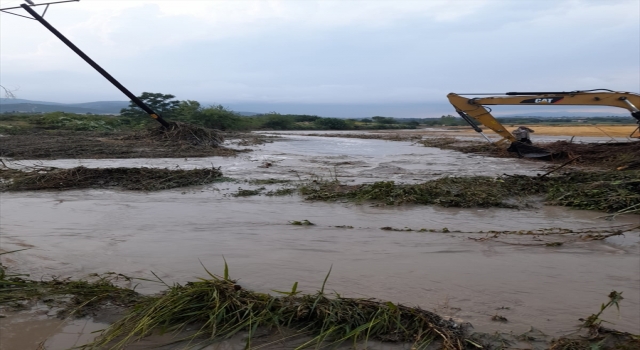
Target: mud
(74,233)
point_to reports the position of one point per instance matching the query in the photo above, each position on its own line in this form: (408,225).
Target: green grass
(219,309)
(610,191)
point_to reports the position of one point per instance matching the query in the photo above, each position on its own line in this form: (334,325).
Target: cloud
(326,51)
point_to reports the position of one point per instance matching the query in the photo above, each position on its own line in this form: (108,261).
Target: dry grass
(573,130)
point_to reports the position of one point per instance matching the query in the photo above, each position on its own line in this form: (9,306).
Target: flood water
(75,233)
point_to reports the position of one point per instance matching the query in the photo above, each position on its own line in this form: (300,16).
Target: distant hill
(363,110)
(28,106)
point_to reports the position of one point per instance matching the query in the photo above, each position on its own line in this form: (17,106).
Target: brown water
(75,233)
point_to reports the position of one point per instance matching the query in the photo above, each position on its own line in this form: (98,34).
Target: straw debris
(611,155)
(612,191)
(70,297)
(136,179)
(182,133)
(181,141)
(219,308)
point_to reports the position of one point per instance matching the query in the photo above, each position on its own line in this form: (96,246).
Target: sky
(309,54)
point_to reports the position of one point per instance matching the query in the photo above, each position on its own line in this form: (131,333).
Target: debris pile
(76,298)
(612,191)
(137,179)
(219,308)
(611,155)
(182,133)
(182,140)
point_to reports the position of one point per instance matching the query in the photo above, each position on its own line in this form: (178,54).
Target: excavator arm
(473,108)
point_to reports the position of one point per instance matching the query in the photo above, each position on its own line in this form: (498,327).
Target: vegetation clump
(610,155)
(219,308)
(187,134)
(136,179)
(597,336)
(611,191)
(71,297)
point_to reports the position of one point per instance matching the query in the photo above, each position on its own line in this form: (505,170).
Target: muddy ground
(504,270)
(80,145)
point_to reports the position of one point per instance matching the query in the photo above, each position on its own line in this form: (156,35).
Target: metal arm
(474,107)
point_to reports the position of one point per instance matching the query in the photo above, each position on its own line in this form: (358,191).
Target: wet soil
(79,145)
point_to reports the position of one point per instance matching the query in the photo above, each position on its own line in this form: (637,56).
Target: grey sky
(317,52)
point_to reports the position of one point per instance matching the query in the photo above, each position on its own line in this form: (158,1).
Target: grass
(219,309)
(77,297)
(611,191)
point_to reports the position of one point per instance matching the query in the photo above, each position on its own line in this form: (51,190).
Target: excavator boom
(474,107)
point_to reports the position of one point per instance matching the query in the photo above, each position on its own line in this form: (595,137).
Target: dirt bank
(612,156)
(151,143)
(137,179)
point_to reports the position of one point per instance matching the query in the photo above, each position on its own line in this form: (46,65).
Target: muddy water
(297,157)
(75,233)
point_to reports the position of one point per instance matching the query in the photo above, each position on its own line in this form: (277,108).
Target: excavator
(474,109)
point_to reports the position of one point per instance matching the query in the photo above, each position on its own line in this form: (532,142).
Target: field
(580,130)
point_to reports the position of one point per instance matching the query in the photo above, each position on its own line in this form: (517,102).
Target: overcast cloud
(315,52)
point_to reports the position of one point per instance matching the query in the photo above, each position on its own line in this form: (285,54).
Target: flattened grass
(219,308)
(77,297)
(608,191)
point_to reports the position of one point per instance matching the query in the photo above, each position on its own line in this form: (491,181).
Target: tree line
(221,118)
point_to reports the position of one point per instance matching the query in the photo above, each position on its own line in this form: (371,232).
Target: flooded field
(75,233)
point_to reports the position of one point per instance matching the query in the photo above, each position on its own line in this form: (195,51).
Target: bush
(332,124)
(218,117)
(278,122)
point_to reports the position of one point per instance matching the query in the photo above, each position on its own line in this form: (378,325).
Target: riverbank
(534,265)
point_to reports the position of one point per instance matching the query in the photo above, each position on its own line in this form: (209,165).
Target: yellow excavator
(473,108)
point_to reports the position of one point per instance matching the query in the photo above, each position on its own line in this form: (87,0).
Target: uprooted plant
(71,297)
(219,308)
(599,337)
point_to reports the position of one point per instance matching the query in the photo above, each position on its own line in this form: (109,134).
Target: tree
(218,117)
(187,110)
(159,103)
(301,118)
(332,124)
(278,122)
(383,120)
(448,120)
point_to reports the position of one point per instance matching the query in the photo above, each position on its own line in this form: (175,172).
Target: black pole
(104,73)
